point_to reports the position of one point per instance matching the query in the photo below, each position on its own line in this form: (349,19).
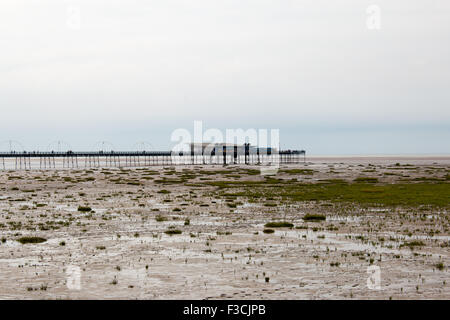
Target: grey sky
(309,68)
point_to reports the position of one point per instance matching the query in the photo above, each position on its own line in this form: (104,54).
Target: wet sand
(123,252)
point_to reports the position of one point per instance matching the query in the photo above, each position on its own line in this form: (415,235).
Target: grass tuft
(84,209)
(173,231)
(24,240)
(280,224)
(314,217)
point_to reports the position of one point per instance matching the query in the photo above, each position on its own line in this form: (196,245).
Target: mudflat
(316,230)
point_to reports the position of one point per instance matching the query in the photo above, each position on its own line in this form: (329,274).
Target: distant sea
(442,159)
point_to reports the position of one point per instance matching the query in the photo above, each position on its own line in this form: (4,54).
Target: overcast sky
(135,70)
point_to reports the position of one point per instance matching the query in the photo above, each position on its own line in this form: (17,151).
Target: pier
(218,156)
